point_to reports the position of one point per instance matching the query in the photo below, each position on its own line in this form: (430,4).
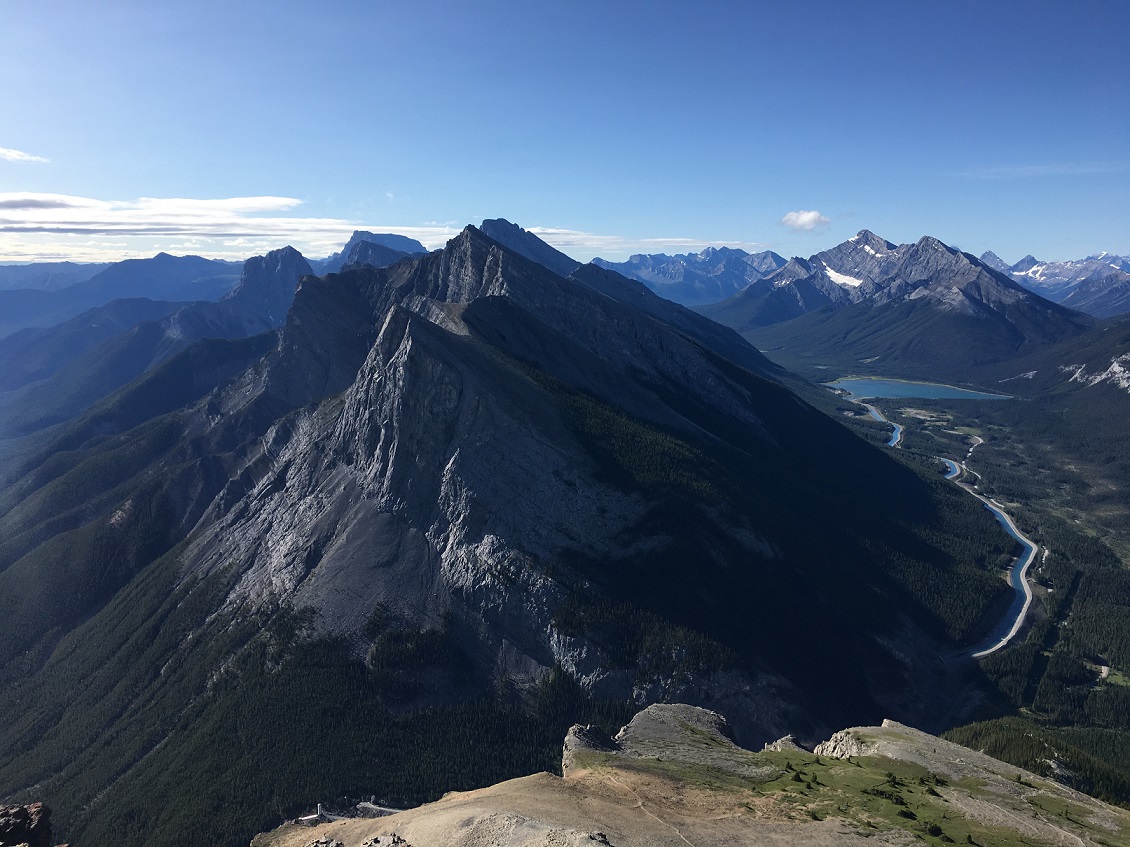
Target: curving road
(1010,624)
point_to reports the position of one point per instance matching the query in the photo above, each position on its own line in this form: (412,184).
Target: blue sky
(227,128)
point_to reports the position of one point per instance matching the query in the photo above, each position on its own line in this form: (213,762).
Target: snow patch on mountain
(1118,374)
(842,279)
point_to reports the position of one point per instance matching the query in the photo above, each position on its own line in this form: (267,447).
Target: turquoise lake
(864,387)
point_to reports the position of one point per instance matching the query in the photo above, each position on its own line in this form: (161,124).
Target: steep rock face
(421,493)
(482,345)
(266,286)
(864,258)
(992,260)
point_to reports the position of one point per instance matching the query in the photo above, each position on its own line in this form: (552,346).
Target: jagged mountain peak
(525,243)
(992,260)
(866,237)
(929,242)
(387,239)
(393,241)
(269,280)
(371,253)
(723,251)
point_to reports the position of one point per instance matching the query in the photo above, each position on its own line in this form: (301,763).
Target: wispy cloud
(805,220)
(1046,170)
(34,203)
(38,225)
(10,155)
(587,245)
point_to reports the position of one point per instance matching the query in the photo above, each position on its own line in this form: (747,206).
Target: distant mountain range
(163,277)
(50,374)
(697,278)
(1098,285)
(48,276)
(923,308)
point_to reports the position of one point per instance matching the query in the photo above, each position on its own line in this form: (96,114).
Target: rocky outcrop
(25,825)
(580,740)
(673,778)
(843,745)
(784,744)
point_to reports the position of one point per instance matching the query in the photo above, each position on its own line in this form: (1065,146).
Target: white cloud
(806,221)
(39,225)
(10,155)
(587,245)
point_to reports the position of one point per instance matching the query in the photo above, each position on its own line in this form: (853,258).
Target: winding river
(1010,624)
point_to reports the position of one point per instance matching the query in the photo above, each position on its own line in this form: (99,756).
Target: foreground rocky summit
(673,776)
